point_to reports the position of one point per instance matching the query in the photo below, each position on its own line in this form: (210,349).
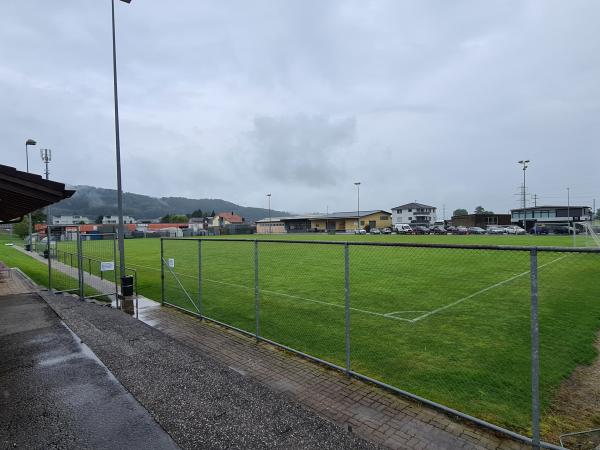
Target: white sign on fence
(171,262)
(105,266)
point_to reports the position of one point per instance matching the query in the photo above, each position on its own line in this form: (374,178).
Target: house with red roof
(226,218)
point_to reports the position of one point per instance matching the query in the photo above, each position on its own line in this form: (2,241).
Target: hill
(93,202)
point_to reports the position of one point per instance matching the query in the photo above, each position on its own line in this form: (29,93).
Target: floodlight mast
(120,225)
(270,221)
(46,155)
(524,163)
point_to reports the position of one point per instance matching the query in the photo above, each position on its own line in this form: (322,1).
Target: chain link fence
(487,333)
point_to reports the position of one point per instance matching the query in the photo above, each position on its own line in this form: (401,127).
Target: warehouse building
(335,222)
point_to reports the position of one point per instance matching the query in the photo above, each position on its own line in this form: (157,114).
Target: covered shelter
(22,193)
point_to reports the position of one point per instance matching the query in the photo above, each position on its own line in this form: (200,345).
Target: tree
(479,210)
(213,214)
(598,213)
(174,218)
(98,219)
(21,229)
(460,212)
(197,213)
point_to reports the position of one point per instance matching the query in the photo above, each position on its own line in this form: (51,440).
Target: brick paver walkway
(371,412)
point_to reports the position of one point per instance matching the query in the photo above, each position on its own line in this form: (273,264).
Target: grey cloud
(301,149)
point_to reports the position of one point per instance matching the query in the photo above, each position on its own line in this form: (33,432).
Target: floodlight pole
(121,227)
(524,162)
(29,142)
(46,155)
(357,184)
(270,221)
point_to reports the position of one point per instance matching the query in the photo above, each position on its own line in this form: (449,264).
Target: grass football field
(450,325)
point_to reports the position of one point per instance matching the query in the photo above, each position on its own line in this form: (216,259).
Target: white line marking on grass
(435,311)
(282,294)
(404,311)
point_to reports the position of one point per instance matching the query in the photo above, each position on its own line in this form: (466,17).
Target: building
(481,220)
(226,218)
(333,222)
(111,220)
(70,220)
(528,217)
(414,214)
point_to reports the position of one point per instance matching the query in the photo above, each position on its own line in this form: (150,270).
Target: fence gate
(61,251)
(99,266)
(83,264)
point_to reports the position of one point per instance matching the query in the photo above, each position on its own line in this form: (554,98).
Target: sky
(428,101)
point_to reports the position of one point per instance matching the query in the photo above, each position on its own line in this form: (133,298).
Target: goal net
(587,234)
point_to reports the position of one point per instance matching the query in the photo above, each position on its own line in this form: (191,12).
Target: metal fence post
(200,277)
(256,292)
(80,275)
(115,270)
(347,303)
(535,363)
(162,273)
(49,259)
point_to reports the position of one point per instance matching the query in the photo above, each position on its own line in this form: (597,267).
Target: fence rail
(473,330)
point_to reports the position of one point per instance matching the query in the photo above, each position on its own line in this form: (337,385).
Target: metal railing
(481,345)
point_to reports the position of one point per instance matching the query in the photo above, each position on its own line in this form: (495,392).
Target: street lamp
(121,227)
(270,224)
(29,142)
(357,184)
(524,162)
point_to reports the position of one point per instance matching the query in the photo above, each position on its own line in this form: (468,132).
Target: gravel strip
(197,400)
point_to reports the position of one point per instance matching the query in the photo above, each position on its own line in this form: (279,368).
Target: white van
(403,228)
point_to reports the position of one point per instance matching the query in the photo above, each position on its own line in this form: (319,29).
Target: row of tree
(464,212)
(180,218)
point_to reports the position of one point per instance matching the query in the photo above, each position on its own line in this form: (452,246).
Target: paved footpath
(55,393)
(371,412)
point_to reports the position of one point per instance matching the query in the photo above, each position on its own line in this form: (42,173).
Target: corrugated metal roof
(413,205)
(22,193)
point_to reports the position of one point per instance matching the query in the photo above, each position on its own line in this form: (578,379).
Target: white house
(111,220)
(70,220)
(414,213)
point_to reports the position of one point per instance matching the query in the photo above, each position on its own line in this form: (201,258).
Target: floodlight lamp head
(357,183)
(30,142)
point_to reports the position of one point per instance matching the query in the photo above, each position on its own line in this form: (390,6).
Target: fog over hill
(92,202)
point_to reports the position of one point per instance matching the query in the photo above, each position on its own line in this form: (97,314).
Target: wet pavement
(55,393)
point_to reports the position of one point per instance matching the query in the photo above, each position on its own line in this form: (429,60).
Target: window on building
(410,218)
(410,210)
(383,217)
(399,211)
(362,222)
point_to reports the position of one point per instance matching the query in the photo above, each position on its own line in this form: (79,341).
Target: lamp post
(121,227)
(29,142)
(270,223)
(357,184)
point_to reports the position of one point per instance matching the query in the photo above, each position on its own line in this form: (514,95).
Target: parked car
(538,229)
(386,231)
(421,230)
(360,231)
(476,230)
(451,229)
(514,229)
(438,229)
(461,230)
(375,231)
(496,230)
(403,228)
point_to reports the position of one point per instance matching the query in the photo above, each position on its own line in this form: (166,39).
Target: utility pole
(357,184)
(534,199)
(270,221)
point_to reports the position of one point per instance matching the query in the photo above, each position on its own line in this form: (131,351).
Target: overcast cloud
(433,101)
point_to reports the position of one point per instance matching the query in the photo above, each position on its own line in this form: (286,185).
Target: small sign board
(106,266)
(171,262)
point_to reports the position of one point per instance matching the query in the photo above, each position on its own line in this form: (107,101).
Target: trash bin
(127,286)
(28,247)
(46,253)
